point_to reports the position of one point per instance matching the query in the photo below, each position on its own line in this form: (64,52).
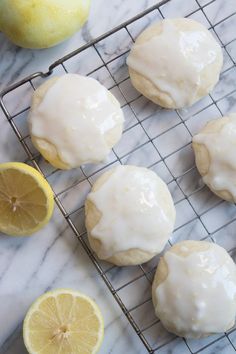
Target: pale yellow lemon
(26,199)
(63,321)
(42,24)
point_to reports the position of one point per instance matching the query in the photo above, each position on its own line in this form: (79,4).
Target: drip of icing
(74,117)
(221,147)
(173,61)
(137,212)
(199,294)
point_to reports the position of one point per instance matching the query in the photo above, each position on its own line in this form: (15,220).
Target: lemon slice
(63,322)
(26,199)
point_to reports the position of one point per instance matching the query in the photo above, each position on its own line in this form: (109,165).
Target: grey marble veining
(153,137)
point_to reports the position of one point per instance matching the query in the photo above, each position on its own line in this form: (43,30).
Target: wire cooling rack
(154,138)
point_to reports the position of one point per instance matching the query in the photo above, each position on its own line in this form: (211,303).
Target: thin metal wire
(87,176)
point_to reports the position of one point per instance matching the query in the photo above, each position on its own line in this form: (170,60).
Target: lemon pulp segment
(63,322)
(26,199)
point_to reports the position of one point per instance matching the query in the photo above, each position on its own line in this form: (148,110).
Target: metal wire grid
(180,124)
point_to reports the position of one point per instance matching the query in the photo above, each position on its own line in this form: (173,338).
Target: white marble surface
(154,138)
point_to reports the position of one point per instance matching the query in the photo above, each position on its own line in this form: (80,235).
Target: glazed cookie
(129,215)
(175,62)
(74,120)
(194,289)
(214,147)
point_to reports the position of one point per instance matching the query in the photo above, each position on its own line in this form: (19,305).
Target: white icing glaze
(137,212)
(74,116)
(221,147)
(173,60)
(199,294)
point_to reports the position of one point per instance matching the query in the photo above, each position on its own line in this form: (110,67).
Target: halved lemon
(63,321)
(26,199)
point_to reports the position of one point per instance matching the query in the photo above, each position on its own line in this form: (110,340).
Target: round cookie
(194,289)
(129,215)
(214,147)
(175,62)
(74,120)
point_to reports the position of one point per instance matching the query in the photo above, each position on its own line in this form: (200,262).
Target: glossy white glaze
(137,212)
(75,116)
(174,60)
(199,294)
(55,257)
(221,147)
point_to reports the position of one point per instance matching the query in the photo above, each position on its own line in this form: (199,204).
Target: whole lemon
(41,23)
